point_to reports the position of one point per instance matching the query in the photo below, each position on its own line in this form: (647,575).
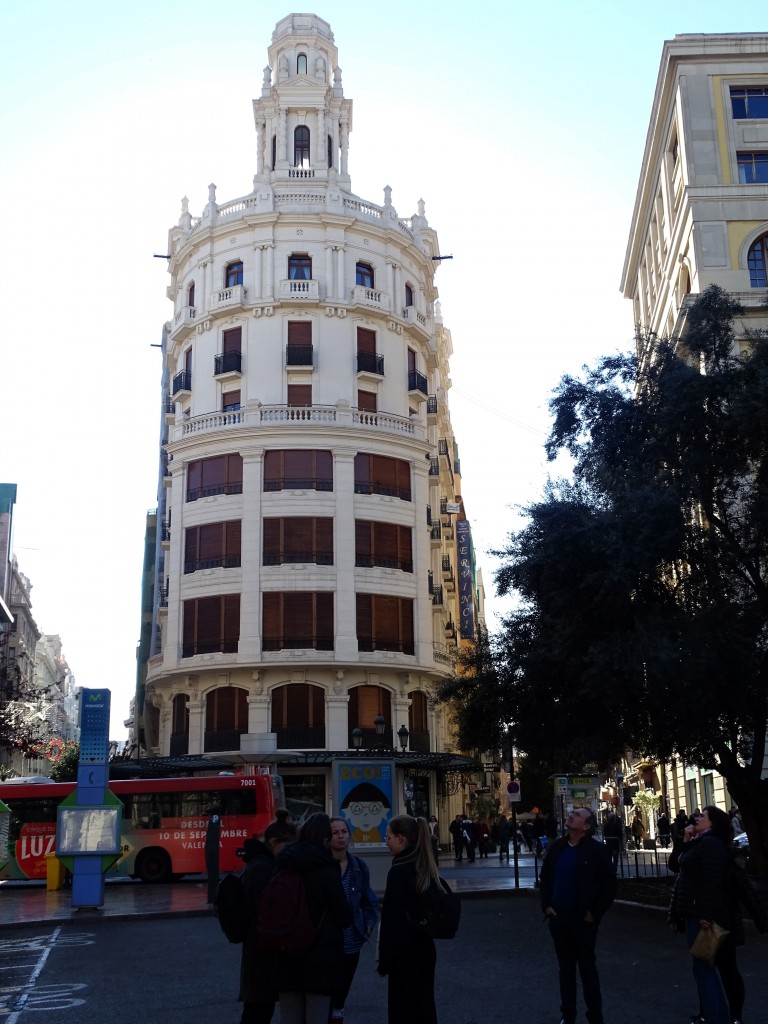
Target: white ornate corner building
(309,569)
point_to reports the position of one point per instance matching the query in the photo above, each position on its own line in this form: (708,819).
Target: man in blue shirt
(578,885)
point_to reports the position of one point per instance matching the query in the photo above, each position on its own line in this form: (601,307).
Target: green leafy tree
(476,696)
(644,579)
(64,764)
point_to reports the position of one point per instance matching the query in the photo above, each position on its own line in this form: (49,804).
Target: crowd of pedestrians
(577,887)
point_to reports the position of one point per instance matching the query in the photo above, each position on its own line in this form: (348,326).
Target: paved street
(499,970)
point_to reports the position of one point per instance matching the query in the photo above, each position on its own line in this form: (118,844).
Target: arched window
(298,715)
(330,152)
(233,275)
(299,267)
(418,722)
(226,718)
(191,294)
(274,151)
(757,261)
(301,64)
(366,703)
(364,275)
(180,726)
(301,146)
(408,295)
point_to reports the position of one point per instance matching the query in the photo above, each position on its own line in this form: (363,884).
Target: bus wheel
(153,865)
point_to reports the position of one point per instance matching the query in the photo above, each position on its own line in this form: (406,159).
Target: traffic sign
(513,792)
(491,766)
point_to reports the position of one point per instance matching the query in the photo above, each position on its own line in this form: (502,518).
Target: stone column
(250,556)
(337,732)
(258,272)
(344,554)
(196,726)
(330,251)
(340,285)
(320,159)
(344,147)
(282,142)
(269,256)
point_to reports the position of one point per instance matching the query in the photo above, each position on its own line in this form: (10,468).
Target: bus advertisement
(163,826)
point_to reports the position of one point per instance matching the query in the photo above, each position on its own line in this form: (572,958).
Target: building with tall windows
(700,218)
(310,572)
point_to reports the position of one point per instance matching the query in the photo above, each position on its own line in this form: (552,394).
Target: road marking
(26,990)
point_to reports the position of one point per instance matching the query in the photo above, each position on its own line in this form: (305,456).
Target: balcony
(371,297)
(432,405)
(437,597)
(371,740)
(307,291)
(222,562)
(226,299)
(370,363)
(179,744)
(418,741)
(434,467)
(446,565)
(380,561)
(301,737)
(299,356)
(417,319)
(165,535)
(436,532)
(417,385)
(182,384)
(183,323)
(429,515)
(169,409)
(228,364)
(222,739)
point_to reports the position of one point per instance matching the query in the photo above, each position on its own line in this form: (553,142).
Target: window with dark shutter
(379,474)
(301,469)
(366,401)
(299,395)
(298,620)
(384,623)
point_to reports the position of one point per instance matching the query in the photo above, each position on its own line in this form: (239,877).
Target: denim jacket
(362,899)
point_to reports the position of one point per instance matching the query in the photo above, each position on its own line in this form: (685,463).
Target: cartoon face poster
(364,792)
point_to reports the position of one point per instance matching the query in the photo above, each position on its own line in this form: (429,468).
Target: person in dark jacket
(256,984)
(578,886)
(364,903)
(710,887)
(457,837)
(306,981)
(407,954)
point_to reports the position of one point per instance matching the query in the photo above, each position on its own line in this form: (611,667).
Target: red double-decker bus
(163,824)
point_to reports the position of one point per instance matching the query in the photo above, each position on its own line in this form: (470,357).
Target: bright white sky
(521,125)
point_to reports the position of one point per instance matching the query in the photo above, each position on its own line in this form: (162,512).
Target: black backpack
(438,911)
(285,924)
(230,908)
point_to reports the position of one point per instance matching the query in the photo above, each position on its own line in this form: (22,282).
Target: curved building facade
(314,572)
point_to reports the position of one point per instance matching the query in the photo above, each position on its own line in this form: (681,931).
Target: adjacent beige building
(701,218)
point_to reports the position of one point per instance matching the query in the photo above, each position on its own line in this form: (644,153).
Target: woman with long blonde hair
(406,952)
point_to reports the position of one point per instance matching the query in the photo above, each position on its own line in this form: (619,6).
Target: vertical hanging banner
(466,589)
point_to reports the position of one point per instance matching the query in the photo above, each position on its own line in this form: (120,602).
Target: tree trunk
(750,795)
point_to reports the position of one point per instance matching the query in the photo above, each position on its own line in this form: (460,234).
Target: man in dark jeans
(578,885)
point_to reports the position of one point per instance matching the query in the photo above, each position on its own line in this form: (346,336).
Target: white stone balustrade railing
(363,296)
(341,416)
(300,290)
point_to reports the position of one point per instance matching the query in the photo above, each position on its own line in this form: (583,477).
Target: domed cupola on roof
(302,119)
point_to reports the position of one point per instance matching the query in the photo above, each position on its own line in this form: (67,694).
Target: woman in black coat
(407,954)
(700,899)
(306,981)
(257,991)
(738,891)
